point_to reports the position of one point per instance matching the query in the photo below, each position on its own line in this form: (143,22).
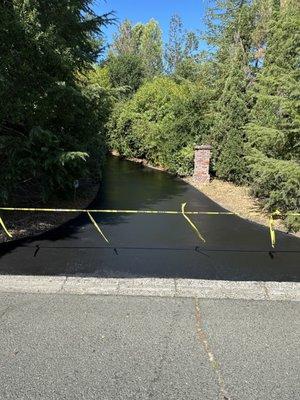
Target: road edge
(151,287)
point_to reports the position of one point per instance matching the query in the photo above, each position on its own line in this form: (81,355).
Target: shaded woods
(64,100)
(52,119)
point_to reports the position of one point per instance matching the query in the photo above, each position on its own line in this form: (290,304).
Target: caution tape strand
(162,212)
(114,211)
(4,228)
(97,227)
(191,223)
(272,231)
(67,210)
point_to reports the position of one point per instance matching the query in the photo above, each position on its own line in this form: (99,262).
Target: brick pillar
(202,159)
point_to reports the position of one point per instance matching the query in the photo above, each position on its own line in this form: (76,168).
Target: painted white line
(183,288)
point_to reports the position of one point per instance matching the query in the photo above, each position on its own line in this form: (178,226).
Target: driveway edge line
(152,287)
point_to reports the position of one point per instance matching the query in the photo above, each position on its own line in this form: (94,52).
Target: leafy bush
(126,71)
(277,183)
(160,123)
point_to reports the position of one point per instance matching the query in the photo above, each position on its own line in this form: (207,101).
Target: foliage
(181,46)
(277,183)
(150,48)
(274,130)
(48,120)
(275,120)
(98,75)
(40,157)
(160,123)
(126,71)
(231,108)
(136,54)
(227,130)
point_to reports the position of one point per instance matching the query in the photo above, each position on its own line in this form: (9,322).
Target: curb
(151,287)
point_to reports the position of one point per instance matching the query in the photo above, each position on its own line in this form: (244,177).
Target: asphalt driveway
(162,246)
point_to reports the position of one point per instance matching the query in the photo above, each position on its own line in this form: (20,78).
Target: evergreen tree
(49,122)
(274,128)
(232,35)
(275,120)
(227,131)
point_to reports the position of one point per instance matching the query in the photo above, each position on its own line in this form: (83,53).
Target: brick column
(202,159)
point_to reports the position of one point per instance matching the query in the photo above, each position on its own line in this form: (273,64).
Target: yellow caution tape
(98,228)
(70,210)
(4,227)
(277,213)
(191,223)
(183,212)
(272,231)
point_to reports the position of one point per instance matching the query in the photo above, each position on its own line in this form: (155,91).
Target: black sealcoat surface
(154,245)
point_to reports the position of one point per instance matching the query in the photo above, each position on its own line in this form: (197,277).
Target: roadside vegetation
(241,96)
(52,118)
(64,100)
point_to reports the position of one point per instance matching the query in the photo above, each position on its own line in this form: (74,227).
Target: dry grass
(236,199)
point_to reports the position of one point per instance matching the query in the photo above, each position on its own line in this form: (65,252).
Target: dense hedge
(161,124)
(277,183)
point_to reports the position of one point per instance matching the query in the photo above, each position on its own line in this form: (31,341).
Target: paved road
(161,246)
(94,347)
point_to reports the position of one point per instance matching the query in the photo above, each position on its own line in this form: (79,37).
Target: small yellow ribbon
(97,227)
(272,231)
(272,225)
(191,223)
(4,228)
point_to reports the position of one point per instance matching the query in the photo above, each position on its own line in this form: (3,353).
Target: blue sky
(191,11)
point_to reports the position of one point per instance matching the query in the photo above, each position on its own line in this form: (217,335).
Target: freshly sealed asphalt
(154,245)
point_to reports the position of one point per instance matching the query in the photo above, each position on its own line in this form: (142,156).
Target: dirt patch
(23,224)
(236,199)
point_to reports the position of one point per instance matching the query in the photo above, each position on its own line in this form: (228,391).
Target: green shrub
(160,124)
(277,183)
(126,71)
(41,158)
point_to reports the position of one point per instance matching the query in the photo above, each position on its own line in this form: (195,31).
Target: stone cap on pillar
(203,147)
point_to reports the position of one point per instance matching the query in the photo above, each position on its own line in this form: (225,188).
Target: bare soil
(23,224)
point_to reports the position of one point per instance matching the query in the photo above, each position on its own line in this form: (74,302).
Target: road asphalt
(154,246)
(64,346)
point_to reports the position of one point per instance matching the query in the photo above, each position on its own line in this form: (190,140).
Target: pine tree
(232,35)
(231,115)
(274,128)
(275,119)
(49,123)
